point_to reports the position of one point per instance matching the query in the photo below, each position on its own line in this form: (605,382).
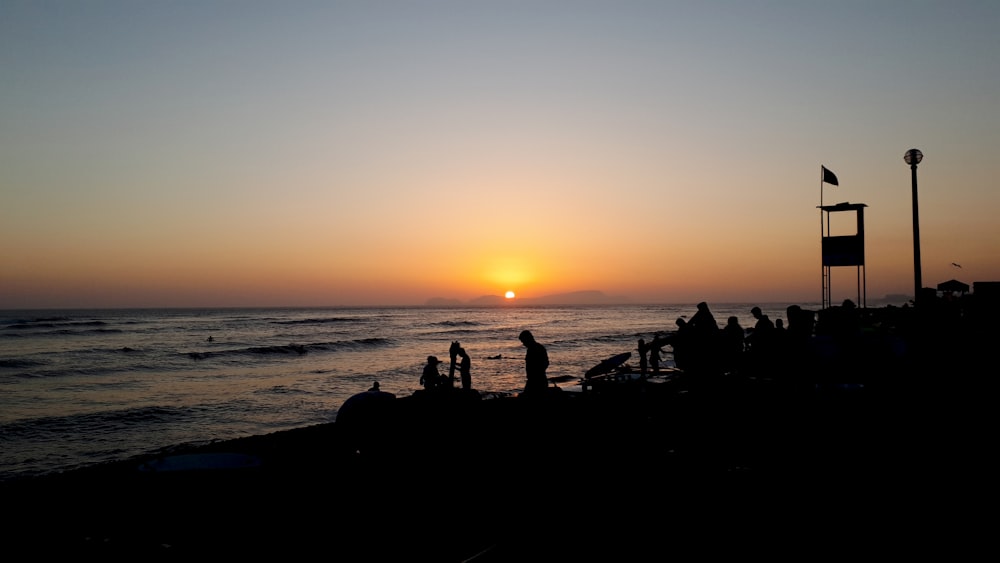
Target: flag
(829,177)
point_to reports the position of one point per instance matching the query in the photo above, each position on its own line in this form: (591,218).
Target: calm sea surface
(81,387)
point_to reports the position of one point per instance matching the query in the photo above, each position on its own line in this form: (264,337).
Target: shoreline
(861,459)
(683,456)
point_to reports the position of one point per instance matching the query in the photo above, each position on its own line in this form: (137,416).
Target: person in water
(536,362)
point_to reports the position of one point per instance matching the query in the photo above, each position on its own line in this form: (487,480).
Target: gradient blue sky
(235,153)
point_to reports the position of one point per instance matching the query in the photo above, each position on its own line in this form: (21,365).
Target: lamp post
(913,158)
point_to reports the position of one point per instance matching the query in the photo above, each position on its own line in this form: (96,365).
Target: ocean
(84,387)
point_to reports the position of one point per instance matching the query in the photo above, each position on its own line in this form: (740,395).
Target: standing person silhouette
(763,331)
(536,361)
(453,352)
(643,361)
(465,369)
(704,353)
(759,342)
(733,337)
(703,320)
(680,342)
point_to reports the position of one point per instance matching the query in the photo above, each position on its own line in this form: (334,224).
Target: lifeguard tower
(844,250)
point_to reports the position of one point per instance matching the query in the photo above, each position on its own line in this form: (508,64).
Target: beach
(674,467)
(607,471)
(81,387)
(483,282)
(626,477)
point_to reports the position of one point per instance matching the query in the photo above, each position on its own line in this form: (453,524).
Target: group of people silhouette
(701,346)
(432,379)
(536,363)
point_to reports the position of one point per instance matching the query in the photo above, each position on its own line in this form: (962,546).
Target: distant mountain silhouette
(442,302)
(591,297)
(488,300)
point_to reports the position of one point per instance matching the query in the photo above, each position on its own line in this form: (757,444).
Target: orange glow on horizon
(346,196)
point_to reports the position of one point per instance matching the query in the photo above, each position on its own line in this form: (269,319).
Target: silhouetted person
(800,323)
(680,343)
(536,362)
(798,334)
(760,340)
(703,319)
(453,352)
(655,346)
(779,341)
(431,378)
(794,355)
(704,336)
(465,369)
(374,388)
(762,327)
(732,344)
(846,331)
(643,360)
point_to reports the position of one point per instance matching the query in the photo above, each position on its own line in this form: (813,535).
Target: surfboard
(609,364)
(200,462)
(563,378)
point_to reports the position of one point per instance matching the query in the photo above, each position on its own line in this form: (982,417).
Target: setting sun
(509,295)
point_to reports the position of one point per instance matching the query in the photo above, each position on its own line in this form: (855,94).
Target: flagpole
(822,234)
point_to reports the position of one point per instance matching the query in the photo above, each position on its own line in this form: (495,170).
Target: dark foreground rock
(741,468)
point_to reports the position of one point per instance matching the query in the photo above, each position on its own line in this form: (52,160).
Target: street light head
(913,157)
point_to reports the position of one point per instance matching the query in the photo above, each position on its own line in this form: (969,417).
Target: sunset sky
(247,153)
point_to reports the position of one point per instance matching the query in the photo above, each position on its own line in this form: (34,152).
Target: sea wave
(457,323)
(86,439)
(19,321)
(287,349)
(106,420)
(51,323)
(263,370)
(316,321)
(56,331)
(282,390)
(19,363)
